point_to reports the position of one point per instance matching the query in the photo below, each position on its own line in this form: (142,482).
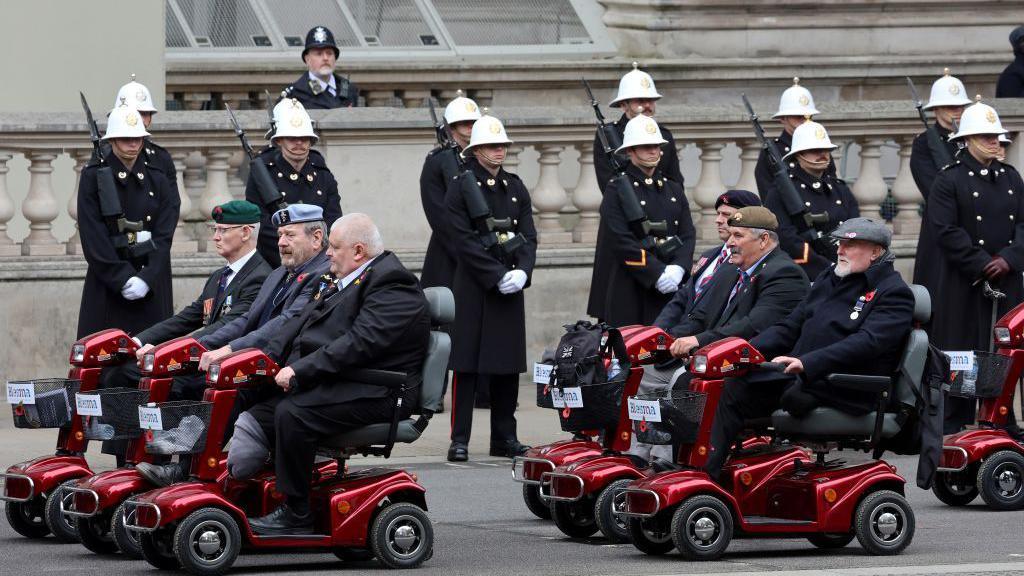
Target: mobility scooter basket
(43,402)
(989,375)
(680,413)
(178,427)
(591,406)
(111,413)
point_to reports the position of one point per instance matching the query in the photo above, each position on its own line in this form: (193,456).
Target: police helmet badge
(319,34)
(131,119)
(819,133)
(804,100)
(650,128)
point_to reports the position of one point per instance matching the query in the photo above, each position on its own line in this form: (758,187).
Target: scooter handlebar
(769,367)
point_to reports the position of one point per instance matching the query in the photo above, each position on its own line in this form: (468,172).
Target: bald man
(370,313)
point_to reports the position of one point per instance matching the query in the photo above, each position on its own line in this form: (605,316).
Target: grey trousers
(654,380)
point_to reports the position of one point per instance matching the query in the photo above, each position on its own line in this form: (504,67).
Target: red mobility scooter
(202,524)
(97,502)
(782,493)
(528,468)
(33,489)
(985,459)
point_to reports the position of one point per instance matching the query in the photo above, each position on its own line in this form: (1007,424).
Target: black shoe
(458,452)
(160,474)
(283,520)
(509,449)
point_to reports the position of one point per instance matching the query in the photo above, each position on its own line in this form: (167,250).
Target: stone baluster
(512,159)
(7,246)
(40,207)
(870,189)
(192,179)
(380,98)
(549,197)
(750,150)
(216,191)
(414,98)
(709,188)
(236,187)
(81,158)
(183,243)
(587,197)
(904,190)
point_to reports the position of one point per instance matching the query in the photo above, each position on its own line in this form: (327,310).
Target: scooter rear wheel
(27,518)
(158,549)
(831,541)
(884,523)
(955,488)
(95,534)
(62,526)
(402,536)
(615,528)
(535,503)
(127,540)
(1001,480)
(652,535)
(207,542)
(575,519)
(702,527)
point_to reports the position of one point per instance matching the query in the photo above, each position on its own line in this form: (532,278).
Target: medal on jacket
(226,307)
(860,304)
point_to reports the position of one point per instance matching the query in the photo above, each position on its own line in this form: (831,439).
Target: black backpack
(579,358)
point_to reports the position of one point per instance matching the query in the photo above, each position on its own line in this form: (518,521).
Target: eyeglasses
(215,230)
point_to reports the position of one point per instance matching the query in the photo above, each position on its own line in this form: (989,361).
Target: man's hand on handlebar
(793,365)
(142,352)
(212,356)
(682,347)
(284,378)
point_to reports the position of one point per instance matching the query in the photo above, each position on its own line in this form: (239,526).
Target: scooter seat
(830,423)
(372,435)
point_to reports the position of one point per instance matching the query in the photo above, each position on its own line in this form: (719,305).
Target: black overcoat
(439,262)
(924,169)
(669,163)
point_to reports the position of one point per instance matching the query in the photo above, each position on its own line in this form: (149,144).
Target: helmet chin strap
(983,151)
(488,159)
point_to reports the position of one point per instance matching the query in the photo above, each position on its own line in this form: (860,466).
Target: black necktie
(225,275)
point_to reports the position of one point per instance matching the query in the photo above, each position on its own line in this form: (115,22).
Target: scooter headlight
(1002,335)
(213,373)
(78,353)
(700,364)
(148,361)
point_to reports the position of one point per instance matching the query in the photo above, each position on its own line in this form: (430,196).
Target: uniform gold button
(839,202)
(970,173)
(514,222)
(514,199)
(673,198)
(807,203)
(648,181)
(151,193)
(981,241)
(149,218)
(319,193)
(284,193)
(293,177)
(803,185)
(122,175)
(676,222)
(279,175)
(505,182)
(975,194)
(978,218)
(635,184)
(643,202)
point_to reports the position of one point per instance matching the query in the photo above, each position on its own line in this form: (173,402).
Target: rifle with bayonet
(495,234)
(653,236)
(940,154)
(270,115)
(125,234)
(269,195)
(812,228)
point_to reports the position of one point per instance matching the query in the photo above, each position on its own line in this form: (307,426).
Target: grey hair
(772,235)
(310,228)
(360,229)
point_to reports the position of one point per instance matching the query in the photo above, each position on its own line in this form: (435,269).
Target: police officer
(301,177)
(795,107)
(976,209)
(631,283)
(637,95)
(820,191)
(137,95)
(489,333)
(128,279)
(947,101)
(320,87)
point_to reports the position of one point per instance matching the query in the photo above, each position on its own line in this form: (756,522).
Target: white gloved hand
(670,279)
(142,235)
(512,282)
(135,288)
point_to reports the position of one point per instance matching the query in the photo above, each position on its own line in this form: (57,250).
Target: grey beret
(296,213)
(864,229)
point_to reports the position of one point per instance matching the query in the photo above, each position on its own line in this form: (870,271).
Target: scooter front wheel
(207,542)
(127,540)
(575,519)
(536,503)
(831,541)
(1001,480)
(884,523)
(61,525)
(27,518)
(702,527)
(95,535)
(955,488)
(614,527)
(158,549)
(402,536)
(652,536)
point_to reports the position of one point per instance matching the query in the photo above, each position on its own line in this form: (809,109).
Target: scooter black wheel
(27,518)
(207,542)
(652,535)
(402,536)
(354,554)
(94,533)
(955,488)
(127,540)
(884,523)
(575,519)
(62,526)
(702,528)
(536,503)
(1001,480)
(614,528)
(158,549)
(831,541)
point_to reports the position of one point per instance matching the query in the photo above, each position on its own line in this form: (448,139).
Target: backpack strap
(618,347)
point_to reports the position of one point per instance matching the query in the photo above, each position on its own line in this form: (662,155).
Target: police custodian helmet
(319,37)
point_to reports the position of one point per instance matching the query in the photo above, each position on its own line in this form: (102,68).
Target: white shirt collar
(355,273)
(329,84)
(237,265)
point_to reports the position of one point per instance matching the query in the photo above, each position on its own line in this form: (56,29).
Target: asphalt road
(482,527)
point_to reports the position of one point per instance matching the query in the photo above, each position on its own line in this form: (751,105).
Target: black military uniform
(313,184)
(668,165)
(439,262)
(489,333)
(311,93)
(154,155)
(146,196)
(924,167)
(622,288)
(763,174)
(977,213)
(826,194)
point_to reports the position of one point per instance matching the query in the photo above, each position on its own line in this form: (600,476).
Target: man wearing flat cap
(319,87)
(854,320)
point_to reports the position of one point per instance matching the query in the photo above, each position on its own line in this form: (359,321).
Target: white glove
(512,282)
(670,279)
(142,235)
(135,288)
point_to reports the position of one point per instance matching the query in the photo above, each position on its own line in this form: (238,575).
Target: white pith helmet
(487,130)
(978,118)
(293,121)
(810,136)
(796,101)
(125,122)
(135,95)
(461,109)
(635,84)
(947,91)
(641,131)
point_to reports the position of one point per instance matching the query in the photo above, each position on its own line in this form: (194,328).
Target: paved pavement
(482,527)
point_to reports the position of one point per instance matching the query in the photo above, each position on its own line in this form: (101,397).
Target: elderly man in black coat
(372,315)
(854,320)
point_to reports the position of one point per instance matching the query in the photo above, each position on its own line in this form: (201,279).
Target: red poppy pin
(870,296)
(301,277)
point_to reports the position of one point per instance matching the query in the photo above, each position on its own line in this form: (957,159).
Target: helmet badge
(319,34)
(954,89)
(645,83)
(650,127)
(131,119)
(140,96)
(495,127)
(990,116)
(804,100)
(819,133)
(296,121)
